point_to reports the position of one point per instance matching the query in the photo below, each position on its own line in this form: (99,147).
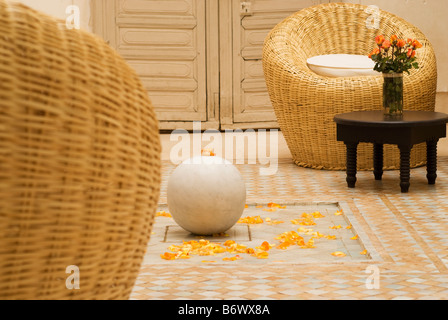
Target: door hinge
(246,8)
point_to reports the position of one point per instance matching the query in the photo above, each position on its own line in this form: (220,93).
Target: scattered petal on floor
(336,227)
(261,255)
(287,239)
(275,205)
(317,215)
(168,256)
(237,257)
(338,254)
(309,244)
(273,222)
(265,246)
(304,222)
(251,220)
(163,214)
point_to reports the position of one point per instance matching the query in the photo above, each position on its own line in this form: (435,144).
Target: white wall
(57,8)
(430,16)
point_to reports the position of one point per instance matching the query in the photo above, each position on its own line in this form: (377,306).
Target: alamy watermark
(236,146)
(73,20)
(373,280)
(373,21)
(73,280)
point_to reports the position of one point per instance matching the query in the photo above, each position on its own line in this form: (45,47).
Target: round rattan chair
(305,103)
(79,162)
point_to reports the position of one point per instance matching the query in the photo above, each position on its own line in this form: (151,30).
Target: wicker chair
(79,162)
(305,103)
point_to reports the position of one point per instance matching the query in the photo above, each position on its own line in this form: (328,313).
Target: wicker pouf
(306,103)
(79,162)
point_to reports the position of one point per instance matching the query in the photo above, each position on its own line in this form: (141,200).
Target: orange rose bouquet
(394,55)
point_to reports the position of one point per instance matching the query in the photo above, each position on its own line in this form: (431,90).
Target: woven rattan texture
(79,162)
(305,103)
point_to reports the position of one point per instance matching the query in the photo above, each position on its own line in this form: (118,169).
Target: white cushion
(342,65)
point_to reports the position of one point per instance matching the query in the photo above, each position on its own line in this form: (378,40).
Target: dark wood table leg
(378,161)
(431,161)
(405,168)
(352,149)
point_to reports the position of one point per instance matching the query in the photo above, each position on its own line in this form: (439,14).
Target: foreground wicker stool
(79,162)
(305,103)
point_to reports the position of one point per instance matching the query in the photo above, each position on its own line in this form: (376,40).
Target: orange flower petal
(363,252)
(317,215)
(168,256)
(261,255)
(237,257)
(338,254)
(309,244)
(305,230)
(275,205)
(319,235)
(208,153)
(265,246)
(251,220)
(228,243)
(250,251)
(354,238)
(163,214)
(303,222)
(272,222)
(283,245)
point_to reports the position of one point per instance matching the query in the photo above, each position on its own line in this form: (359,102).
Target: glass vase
(393,95)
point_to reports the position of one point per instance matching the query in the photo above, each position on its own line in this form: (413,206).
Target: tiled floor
(334,230)
(408,234)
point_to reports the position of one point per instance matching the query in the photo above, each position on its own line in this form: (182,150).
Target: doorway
(200,60)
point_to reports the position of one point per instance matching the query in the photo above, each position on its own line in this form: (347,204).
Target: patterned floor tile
(409,232)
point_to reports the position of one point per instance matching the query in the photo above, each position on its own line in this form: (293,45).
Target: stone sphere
(206,195)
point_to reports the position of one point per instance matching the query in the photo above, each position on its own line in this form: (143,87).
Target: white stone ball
(206,195)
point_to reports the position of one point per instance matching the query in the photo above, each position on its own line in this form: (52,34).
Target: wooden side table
(371,126)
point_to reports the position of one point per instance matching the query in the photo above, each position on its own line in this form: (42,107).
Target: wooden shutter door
(200,60)
(252,21)
(164,41)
